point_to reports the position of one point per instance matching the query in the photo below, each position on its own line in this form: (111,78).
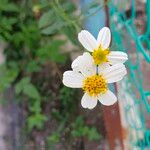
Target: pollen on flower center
(95,85)
(100,55)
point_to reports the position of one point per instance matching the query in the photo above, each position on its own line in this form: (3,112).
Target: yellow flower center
(95,85)
(100,55)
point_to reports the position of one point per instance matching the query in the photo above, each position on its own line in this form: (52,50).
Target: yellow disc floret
(100,55)
(95,85)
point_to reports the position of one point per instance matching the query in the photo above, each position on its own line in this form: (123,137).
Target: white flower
(100,47)
(93,80)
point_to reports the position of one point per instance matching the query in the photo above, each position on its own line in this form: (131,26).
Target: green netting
(126,37)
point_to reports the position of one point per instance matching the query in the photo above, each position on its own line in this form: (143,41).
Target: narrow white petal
(73,79)
(117,57)
(103,66)
(76,63)
(112,68)
(108,98)
(104,37)
(87,40)
(114,73)
(84,64)
(116,77)
(88,101)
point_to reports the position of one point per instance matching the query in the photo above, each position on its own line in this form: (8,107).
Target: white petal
(84,64)
(108,98)
(117,77)
(114,73)
(76,63)
(112,68)
(88,101)
(104,37)
(117,57)
(82,60)
(103,66)
(87,40)
(73,79)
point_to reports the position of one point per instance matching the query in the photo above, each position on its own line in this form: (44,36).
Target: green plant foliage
(27,88)
(32,32)
(5,5)
(68,103)
(36,120)
(53,138)
(7,76)
(81,130)
(48,25)
(33,66)
(52,52)
(46,18)
(60,18)
(35,107)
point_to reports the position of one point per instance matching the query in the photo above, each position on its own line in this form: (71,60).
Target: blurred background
(38,41)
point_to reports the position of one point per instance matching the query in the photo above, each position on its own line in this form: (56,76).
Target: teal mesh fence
(126,37)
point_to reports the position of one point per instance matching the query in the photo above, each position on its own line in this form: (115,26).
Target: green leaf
(49,23)
(33,66)
(27,88)
(70,31)
(54,137)
(52,28)
(9,7)
(69,7)
(36,120)
(12,7)
(79,122)
(52,52)
(35,107)
(80,130)
(57,115)
(31,91)
(7,76)
(20,85)
(46,19)
(93,134)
